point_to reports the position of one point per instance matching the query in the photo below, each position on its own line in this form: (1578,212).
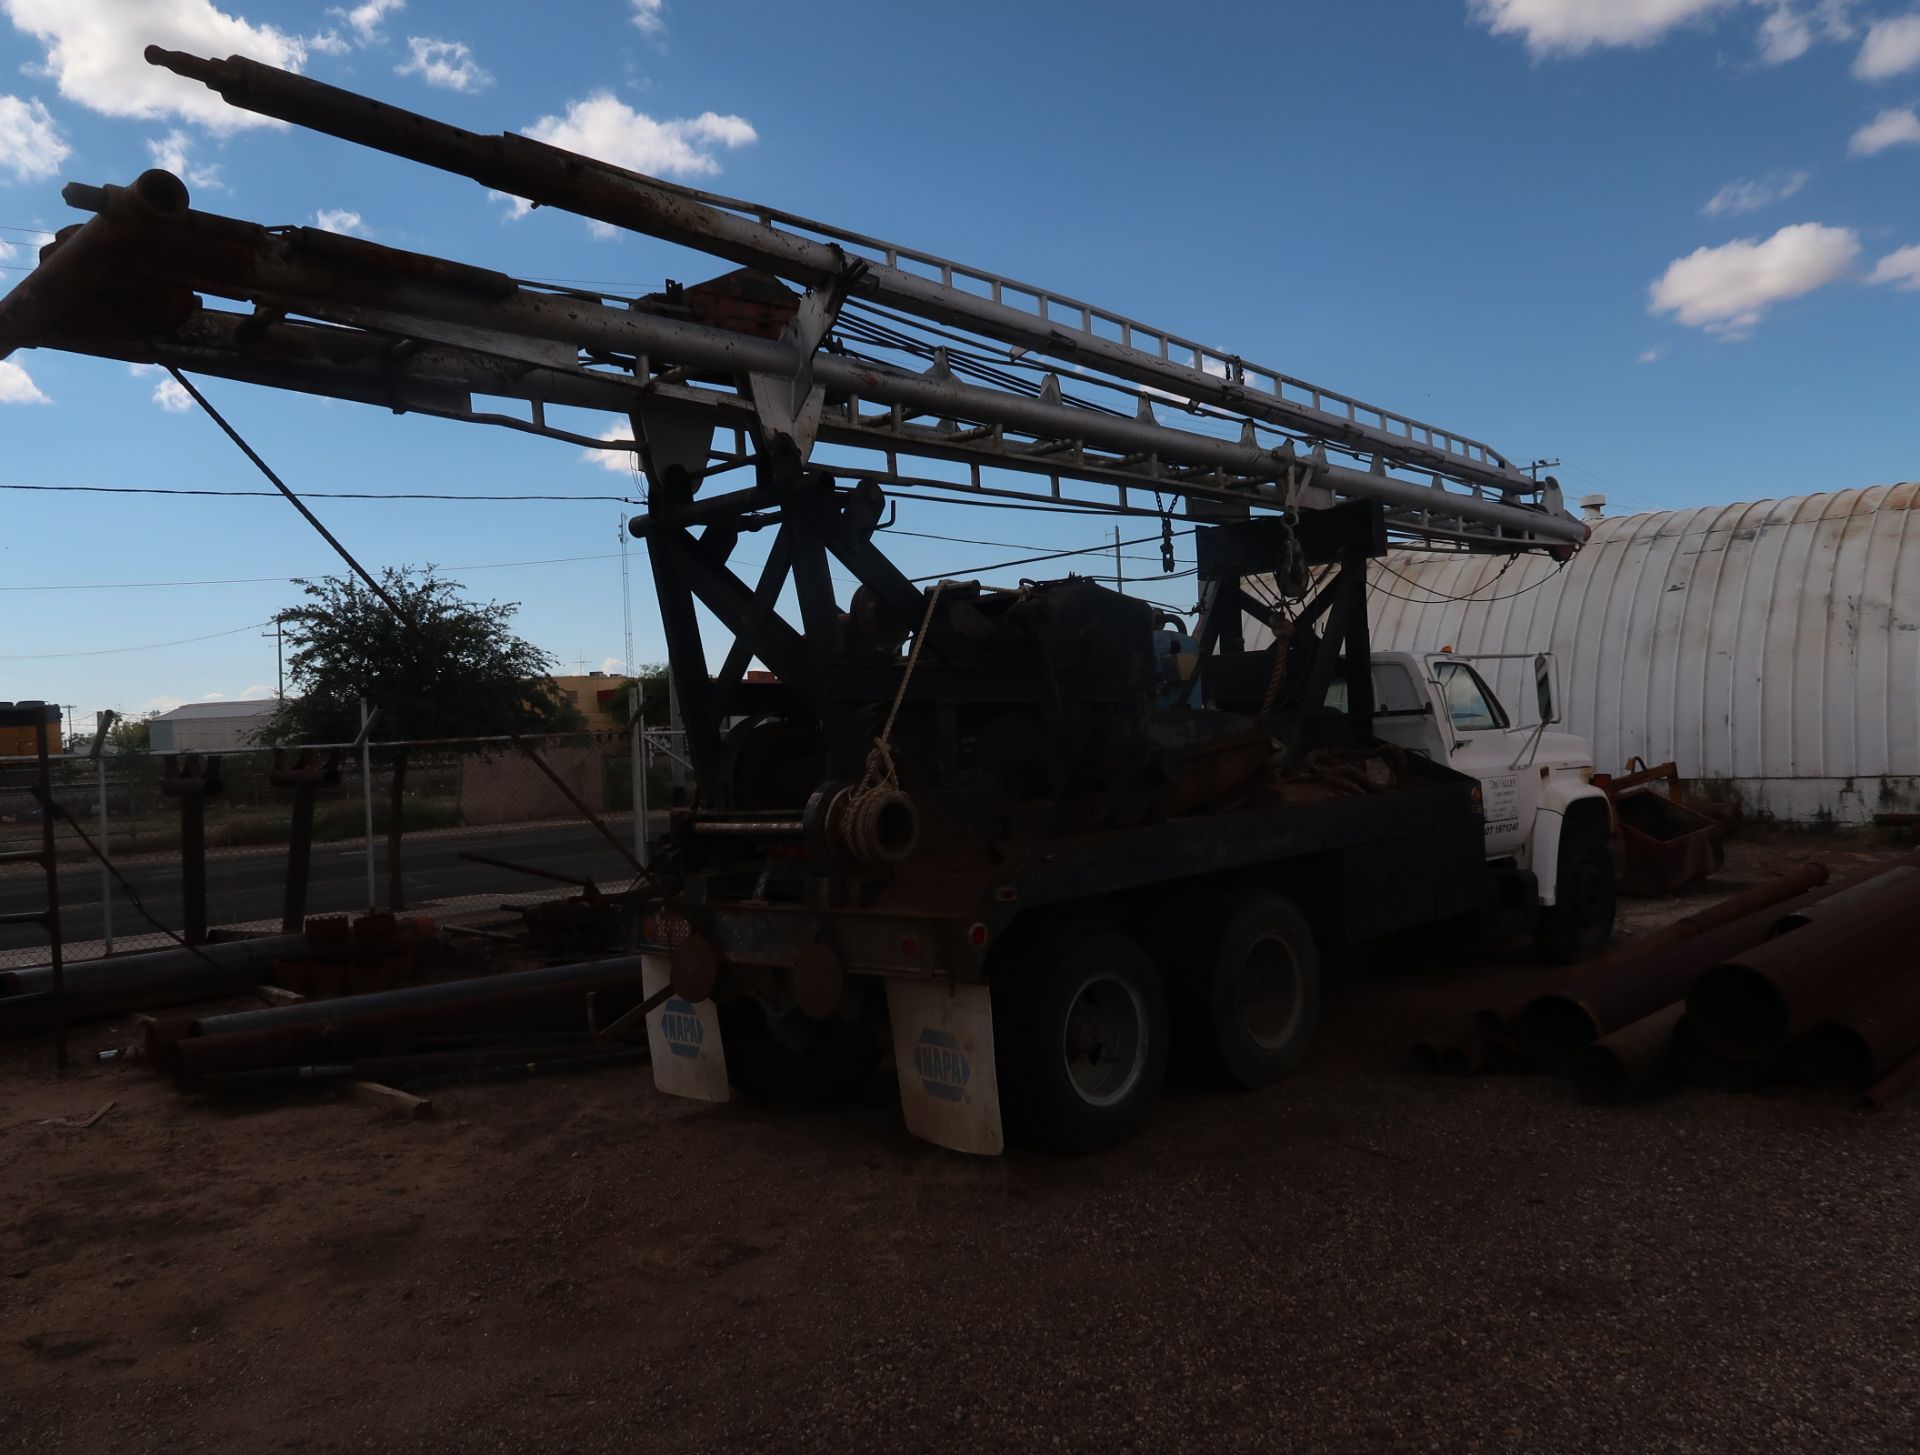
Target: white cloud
(171,153)
(1785,36)
(1727,290)
(445,63)
(255,693)
(328,43)
(1902,269)
(94,51)
(171,397)
(1572,27)
(1892,46)
(605,127)
(612,666)
(342,221)
(31,146)
(1896,126)
(162,703)
(364,19)
(650,15)
(1653,355)
(1744,196)
(17,387)
(618,461)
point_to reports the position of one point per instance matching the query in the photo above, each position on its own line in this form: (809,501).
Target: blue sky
(1498,215)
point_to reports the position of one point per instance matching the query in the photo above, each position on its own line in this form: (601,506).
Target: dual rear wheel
(1084,1031)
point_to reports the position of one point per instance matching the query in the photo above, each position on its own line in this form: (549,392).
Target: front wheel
(1080,1032)
(1580,921)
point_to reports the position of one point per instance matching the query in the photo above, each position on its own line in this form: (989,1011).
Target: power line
(116,651)
(269,580)
(311,494)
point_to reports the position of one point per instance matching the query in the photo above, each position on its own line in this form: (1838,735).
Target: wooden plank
(390,1098)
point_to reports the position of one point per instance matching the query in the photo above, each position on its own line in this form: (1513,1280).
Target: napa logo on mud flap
(681,1027)
(942,1065)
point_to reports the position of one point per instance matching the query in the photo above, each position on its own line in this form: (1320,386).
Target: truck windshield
(1470,703)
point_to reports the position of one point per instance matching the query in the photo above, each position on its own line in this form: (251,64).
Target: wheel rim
(1104,1042)
(1266,993)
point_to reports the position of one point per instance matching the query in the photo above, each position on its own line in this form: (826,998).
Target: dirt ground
(1364,1259)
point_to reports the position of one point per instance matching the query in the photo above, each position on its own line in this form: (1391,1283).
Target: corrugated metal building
(202,727)
(1776,644)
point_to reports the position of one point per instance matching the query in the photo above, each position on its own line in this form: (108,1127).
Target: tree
(654,711)
(130,735)
(446,667)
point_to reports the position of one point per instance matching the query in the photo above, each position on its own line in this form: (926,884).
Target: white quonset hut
(1775,645)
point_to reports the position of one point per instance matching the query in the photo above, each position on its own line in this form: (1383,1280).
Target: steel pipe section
(1617,992)
(1756,1004)
(1631,1061)
(436,300)
(552,177)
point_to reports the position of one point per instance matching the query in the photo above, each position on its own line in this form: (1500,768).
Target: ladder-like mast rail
(746,233)
(157,238)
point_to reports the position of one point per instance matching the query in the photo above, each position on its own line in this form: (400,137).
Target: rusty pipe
(1855,1049)
(71,265)
(1797,882)
(1845,896)
(1757,1002)
(1603,999)
(1631,1061)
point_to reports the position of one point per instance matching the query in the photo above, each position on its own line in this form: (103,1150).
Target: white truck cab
(1544,818)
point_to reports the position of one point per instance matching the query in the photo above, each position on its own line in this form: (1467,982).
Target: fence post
(106,847)
(639,794)
(366,794)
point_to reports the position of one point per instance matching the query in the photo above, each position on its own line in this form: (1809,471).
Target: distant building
(593,694)
(210,727)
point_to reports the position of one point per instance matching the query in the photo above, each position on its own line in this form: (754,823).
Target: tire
(1080,1038)
(1580,920)
(794,1057)
(1254,1004)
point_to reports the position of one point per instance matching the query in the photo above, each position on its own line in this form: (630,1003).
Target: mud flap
(684,1040)
(943,1048)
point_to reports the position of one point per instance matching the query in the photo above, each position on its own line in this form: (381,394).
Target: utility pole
(1119,571)
(279,635)
(1536,466)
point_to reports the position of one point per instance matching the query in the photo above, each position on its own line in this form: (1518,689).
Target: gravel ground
(1365,1259)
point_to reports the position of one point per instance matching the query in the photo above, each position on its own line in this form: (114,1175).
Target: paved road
(245,885)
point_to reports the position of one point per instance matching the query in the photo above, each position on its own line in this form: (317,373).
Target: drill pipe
(106,988)
(1630,1061)
(527,1000)
(1842,898)
(1761,999)
(1614,995)
(1795,883)
(1855,1049)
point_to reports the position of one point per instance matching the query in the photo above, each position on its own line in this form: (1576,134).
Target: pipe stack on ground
(520,1007)
(102,988)
(1830,976)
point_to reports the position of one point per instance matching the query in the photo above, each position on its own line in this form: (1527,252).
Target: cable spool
(872,827)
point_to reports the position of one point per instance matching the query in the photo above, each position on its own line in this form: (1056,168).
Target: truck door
(1484,746)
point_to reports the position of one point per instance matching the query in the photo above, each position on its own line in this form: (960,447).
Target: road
(247,884)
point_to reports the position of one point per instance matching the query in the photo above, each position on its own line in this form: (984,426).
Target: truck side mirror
(1543,687)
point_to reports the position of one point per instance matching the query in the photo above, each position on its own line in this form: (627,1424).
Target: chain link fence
(475,815)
